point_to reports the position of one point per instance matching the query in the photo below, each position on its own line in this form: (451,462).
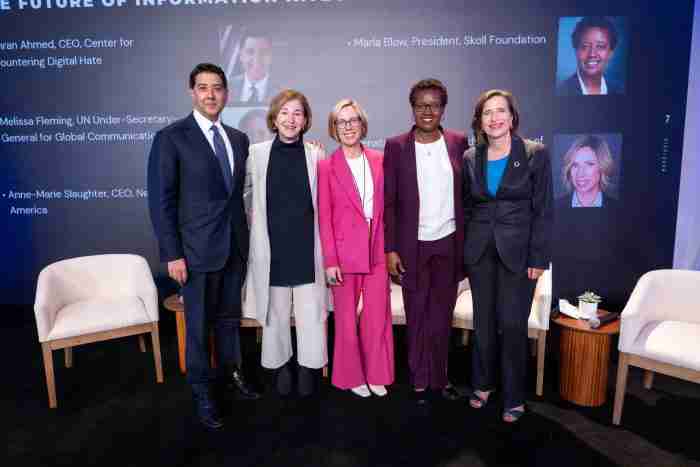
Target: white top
(260,87)
(362,174)
(603,85)
(436,213)
(205,125)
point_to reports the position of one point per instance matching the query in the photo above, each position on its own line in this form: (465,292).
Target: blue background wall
(315,50)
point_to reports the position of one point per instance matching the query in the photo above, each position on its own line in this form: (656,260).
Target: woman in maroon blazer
(351,223)
(424,231)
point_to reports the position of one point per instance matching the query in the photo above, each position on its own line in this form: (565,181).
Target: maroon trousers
(429,309)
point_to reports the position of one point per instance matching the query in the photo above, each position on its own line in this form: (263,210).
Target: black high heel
(476,402)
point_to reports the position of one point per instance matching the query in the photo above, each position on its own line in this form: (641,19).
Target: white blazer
(257,287)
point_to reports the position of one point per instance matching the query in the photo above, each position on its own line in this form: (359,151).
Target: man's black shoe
(236,382)
(206,409)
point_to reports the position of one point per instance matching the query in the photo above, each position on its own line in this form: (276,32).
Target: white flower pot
(587,310)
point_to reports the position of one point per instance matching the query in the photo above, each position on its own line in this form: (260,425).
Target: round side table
(584,360)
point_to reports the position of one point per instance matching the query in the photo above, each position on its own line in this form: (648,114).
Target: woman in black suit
(508,216)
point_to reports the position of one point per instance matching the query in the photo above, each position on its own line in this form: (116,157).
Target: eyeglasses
(354,121)
(421,108)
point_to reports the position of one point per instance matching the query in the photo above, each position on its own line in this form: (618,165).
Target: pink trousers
(364,344)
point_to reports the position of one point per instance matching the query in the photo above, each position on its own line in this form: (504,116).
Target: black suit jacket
(193,214)
(572,87)
(519,216)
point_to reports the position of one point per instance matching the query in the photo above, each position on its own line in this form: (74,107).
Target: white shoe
(378,390)
(362,391)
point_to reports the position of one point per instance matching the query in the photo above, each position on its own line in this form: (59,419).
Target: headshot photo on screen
(247,57)
(592,56)
(586,172)
(250,120)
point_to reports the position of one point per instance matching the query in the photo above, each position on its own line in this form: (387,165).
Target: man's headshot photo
(247,56)
(591,56)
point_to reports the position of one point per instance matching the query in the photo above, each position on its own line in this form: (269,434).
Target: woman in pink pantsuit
(351,224)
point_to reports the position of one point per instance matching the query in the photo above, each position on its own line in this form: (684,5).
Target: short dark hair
(207,68)
(479,133)
(589,22)
(430,84)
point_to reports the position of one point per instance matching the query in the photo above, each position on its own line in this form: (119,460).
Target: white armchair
(659,330)
(538,322)
(91,299)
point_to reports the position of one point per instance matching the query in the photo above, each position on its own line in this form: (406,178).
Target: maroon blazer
(401,201)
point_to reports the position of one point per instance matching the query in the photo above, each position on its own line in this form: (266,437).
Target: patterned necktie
(254,98)
(221,155)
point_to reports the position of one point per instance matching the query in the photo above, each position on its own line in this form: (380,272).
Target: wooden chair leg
(621,385)
(465,337)
(155,341)
(48,370)
(648,379)
(541,347)
(68,355)
(181,340)
(142,343)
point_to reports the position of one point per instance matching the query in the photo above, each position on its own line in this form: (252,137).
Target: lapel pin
(516,164)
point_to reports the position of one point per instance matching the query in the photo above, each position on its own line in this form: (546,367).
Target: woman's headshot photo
(587,171)
(591,56)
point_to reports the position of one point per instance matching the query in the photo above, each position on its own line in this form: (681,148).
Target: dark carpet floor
(111,412)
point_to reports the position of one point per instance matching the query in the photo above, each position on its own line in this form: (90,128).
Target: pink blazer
(345,238)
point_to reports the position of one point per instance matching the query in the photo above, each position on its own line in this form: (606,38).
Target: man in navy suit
(195,180)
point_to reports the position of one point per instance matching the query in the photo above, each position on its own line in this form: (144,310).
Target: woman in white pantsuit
(285,270)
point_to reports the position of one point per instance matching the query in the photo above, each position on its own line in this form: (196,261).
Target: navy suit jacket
(519,216)
(236,90)
(193,214)
(401,203)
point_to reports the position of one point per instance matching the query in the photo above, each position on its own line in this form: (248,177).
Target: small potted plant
(588,304)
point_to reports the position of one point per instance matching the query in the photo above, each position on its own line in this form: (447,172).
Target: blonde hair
(280,100)
(333,116)
(602,152)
